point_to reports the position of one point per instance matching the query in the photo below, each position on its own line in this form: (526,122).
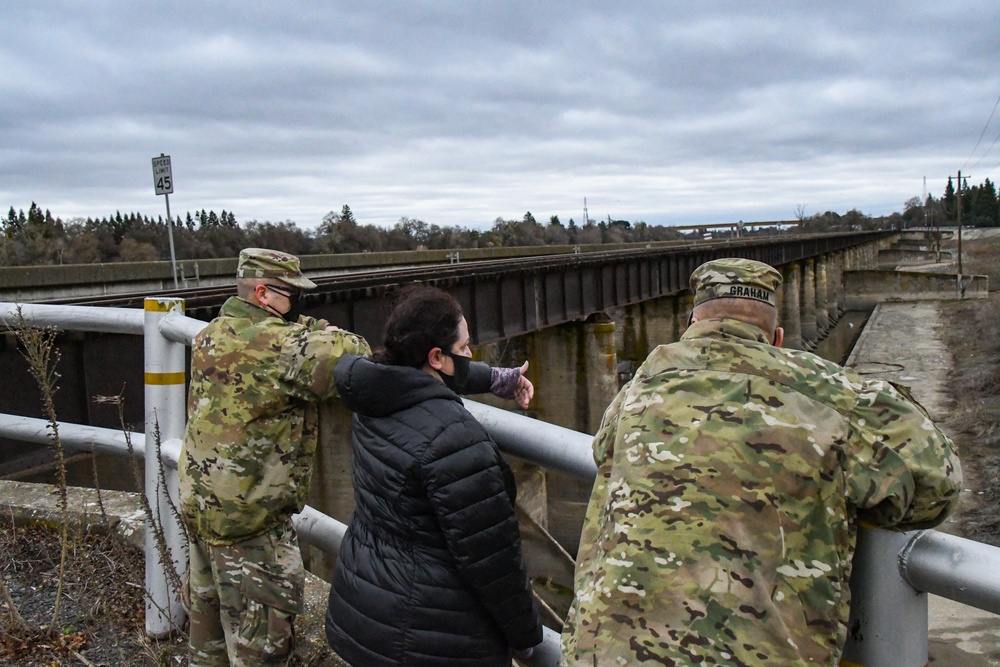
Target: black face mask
(294,304)
(460,379)
(294,308)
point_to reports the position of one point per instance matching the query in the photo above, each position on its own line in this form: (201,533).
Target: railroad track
(348,282)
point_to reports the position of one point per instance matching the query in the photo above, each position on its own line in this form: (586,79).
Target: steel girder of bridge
(511,298)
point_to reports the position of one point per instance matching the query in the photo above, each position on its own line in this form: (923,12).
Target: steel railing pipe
(953,567)
(77,436)
(179,328)
(316,528)
(74,318)
(538,442)
(552,447)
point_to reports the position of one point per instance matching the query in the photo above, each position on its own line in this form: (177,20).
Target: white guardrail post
(165,371)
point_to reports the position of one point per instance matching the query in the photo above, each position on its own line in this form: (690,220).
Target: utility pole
(959,225)
(923,203)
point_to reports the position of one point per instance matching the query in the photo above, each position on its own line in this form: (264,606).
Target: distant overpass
(738,227)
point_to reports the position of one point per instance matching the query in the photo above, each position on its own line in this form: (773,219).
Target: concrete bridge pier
(823,321)
(574,372)
(683,305)
(789,309)
(630,324)
(808,305)
(835,287)
(331,491)
(643,326)
(851,259)
(600,368)
(575,379)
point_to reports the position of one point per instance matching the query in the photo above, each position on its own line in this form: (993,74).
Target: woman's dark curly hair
(422,318)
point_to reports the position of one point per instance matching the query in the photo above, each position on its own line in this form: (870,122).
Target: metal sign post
(163,182)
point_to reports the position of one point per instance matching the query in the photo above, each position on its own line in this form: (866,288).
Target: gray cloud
(456,112)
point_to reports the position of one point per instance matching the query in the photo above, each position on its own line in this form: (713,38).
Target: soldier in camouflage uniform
(732,475)
(258,374)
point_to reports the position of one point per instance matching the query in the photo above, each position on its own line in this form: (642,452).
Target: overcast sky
(456,113)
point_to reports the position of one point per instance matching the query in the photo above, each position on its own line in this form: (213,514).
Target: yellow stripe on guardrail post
(165,396)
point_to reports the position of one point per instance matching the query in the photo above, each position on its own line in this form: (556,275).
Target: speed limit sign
(163,181)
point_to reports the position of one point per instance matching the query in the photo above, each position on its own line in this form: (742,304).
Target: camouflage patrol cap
(734,277)
(264,263)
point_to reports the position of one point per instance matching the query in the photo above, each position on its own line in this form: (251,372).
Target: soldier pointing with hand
(732,475)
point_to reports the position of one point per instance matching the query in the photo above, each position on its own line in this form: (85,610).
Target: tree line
(980,208)
(38,237)
(980,205)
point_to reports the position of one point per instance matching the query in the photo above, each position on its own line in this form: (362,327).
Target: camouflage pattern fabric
(244,599)
(265,263)
(256,382)
(731,476)
(735,278)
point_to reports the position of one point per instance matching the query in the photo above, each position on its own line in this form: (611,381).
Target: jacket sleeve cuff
(504,381)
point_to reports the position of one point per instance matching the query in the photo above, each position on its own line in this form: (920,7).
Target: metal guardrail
(889,601)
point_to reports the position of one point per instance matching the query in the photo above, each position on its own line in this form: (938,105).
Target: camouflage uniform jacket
(731,475)
(256,385)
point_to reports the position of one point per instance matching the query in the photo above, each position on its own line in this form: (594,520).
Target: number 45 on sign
(162,179)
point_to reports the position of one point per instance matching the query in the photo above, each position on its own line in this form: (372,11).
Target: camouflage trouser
(244,599)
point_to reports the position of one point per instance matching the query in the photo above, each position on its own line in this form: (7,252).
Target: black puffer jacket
(430,571)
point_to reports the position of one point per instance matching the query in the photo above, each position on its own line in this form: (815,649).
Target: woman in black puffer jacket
(430,571)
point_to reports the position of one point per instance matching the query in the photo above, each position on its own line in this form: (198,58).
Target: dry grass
(981,257)
(974,382)
(101,618)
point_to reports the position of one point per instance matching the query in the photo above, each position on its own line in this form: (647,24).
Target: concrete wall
(892,257)
(864,289)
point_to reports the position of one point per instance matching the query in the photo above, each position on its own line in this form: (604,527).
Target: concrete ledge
(893,257)
(38,504)
(925,234)
(865,289)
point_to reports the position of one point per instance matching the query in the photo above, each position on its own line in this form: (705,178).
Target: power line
(982,133)
(979,161)
(992,169)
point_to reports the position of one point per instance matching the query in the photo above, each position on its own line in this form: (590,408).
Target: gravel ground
(101,615)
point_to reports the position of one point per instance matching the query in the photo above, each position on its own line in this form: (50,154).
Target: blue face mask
(460,379)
